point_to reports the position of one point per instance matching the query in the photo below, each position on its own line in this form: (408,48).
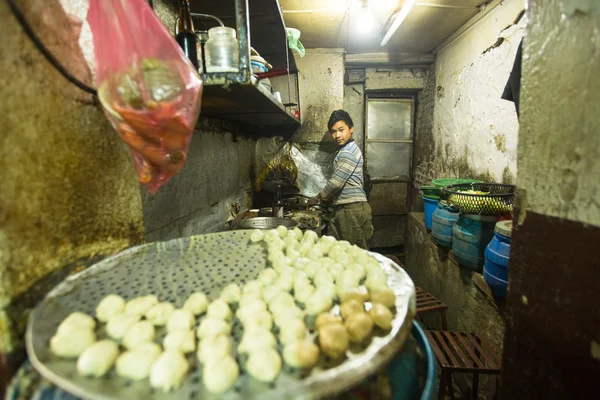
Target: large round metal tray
(173,270)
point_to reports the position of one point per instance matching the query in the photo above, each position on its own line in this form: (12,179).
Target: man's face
(341,133)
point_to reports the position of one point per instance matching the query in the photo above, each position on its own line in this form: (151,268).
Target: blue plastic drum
(430,206)
(497,255)
(470,236)
(443,221)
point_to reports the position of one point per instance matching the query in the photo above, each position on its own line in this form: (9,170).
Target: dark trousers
(353,222)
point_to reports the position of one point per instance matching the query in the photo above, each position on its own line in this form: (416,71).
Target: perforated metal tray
(173,270)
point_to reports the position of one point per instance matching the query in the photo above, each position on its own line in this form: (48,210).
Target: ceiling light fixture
(366,19)
(400,17)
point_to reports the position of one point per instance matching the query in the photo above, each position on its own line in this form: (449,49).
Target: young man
(352,220)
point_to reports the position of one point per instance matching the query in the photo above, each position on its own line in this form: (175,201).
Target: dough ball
(257,236)
(335,270)
(351,307)
(264,364)
(73,343)
(285,282)
(219,309)
(212,327)
(359,270)
(333,340)
(327,239)
(359,326)
(349,276)
(248,310)
(326,262)
(282,231)
(318,303)
(252,287)
(301,354)
(261,318)
(256,338)
(214,348)
(136,364)
(296,233)
(117,326)
(168,370)
(310,237)
(291,331)
(182,341)
(221,375)
(110,306)
(326,319)
(359,294)
(301,262)
(290,242)
(311,269)
(381,316)
(328,290)
(342,257)
(181,320)
(314,253)
(140,305)
(383,295)
(270,292)
(197,303)
(302,293)
(292,254)
(231,293)
(138,333)
(322,276)
(98,358)
(267,276)
(160,313)
(276,256)
(76,321)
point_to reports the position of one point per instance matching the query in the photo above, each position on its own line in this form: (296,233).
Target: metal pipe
(419,4)
(400,17)
(176,30)
(242,21)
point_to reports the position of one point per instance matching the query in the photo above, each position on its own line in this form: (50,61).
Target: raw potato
(231,293)
(383,295)
(138,333)
(333,339)
(74,343)
(182,341)
(257,236)
(136,364)
(256,338)
(291,331)
(317,303)
(264,364)
(382,316)
(180,320)
(359,326)
(160,313)
(119,325)
(97,359)
(219,309)
(221,375)
(110,306)
(197,303)
(302,354)
(350,308)
(214,348)
(140,305)
(212,327)
(76,321)
(359,294)
(168,370)
(326,319)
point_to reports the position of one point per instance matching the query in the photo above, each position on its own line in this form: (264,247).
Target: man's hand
(314,200)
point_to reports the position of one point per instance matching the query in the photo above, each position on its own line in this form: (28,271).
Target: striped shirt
(346,184)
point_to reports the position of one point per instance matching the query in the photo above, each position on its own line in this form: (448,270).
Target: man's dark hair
(339,115)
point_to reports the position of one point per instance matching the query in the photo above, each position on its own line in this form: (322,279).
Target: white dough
(180,320)
(285,282)
(110,306)
(359,270)
(311,269)
(76,321)
(250,309)
(296,233)
(219,309)
(140,305)
(318,303)
(197,303)
(301,262)
(231,293)
(267,275)
(292,254)
(257,236)
(136,364)
(328,289)
(138,333)
(168,370)
(118,325)
(301,354)
(212,327)
(291,331)
(315,253)
(74,343)
(264,364)
(335,270)
(302,293)
(283,299)
(214,348)
(373,283)
(182,341)
(282,314)
(310,237)
(221,375)
(254,286)
(261,318)
(327,262)
(282,231)
(97,359)
(255,338)
(322,276)
(290,242)
(270,292)
(159,314)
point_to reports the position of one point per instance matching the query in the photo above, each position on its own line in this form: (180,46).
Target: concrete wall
(69,191)
(475,131)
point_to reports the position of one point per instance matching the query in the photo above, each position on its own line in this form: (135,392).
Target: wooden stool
(427,303)
(462,352)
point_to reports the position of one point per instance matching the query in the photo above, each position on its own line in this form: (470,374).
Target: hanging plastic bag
(280,167)
(150,91)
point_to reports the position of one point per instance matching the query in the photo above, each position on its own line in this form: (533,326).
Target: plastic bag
(281,167)
(148,88)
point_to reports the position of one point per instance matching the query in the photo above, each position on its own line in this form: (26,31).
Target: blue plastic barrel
(470,236)
(430,206)
(443,221)
(497,255)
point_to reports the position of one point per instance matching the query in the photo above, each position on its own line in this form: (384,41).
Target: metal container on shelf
(221,51)
(470,236)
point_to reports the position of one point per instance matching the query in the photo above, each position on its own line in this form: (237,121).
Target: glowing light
(400,17)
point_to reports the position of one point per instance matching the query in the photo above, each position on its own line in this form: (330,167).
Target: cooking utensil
(172,271)
(286,187)
(267,223)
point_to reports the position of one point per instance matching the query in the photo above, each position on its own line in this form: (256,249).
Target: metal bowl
(267,223)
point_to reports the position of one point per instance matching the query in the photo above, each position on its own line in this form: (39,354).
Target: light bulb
(366,21)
